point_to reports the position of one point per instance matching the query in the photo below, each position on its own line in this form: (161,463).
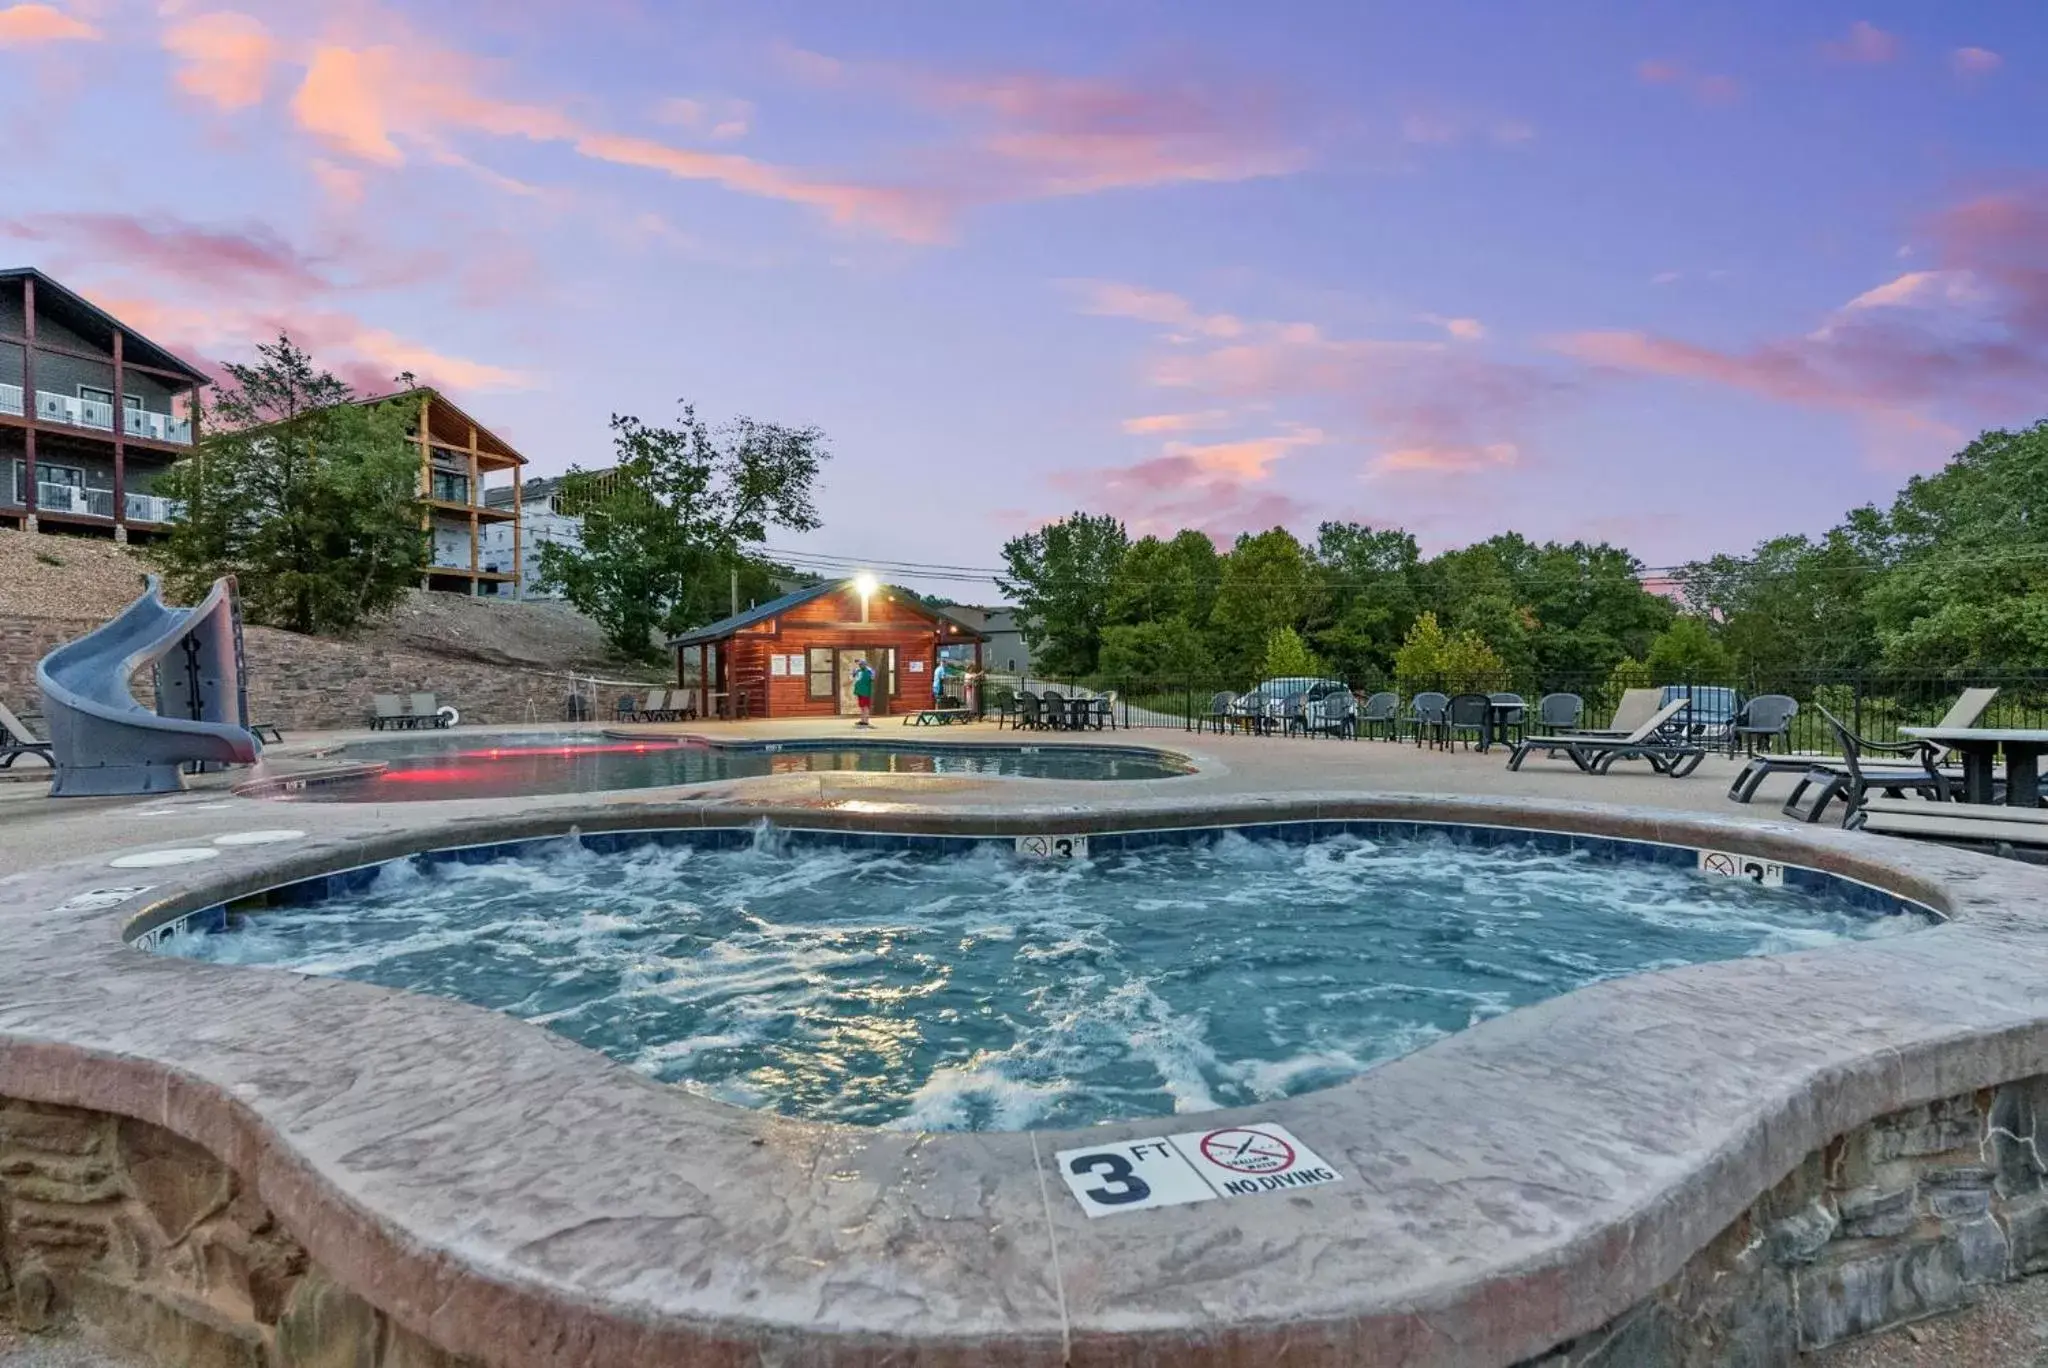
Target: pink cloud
(1161,496)
(226,58)
(28,25)
(1865,43)
(1968,336)
(1454,460)
(211,257)
(1160,423)
(1706,87)
(1974,61)
(1249,459)
(1114,299)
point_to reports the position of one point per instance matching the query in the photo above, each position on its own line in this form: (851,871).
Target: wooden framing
(447,429)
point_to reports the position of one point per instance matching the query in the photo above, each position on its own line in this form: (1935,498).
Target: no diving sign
(1200,1166)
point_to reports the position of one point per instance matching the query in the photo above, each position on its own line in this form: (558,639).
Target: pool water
(444,766)
(973,990)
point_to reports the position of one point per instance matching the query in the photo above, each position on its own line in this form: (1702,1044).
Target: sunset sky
(1675,275)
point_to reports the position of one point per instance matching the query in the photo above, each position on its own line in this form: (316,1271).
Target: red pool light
(513,752)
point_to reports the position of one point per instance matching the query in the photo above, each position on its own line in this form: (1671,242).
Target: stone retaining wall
(307,683)
(156,1247)
(1902,1219)
(151,1243)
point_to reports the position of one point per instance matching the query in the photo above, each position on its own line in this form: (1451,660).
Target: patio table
(1497,724)
(1979,747)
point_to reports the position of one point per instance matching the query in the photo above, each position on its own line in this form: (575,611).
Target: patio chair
(387,710)
(1426,715)
(1338,715)
(1467,715)
(16,740)
(1560,712)
(1513,714)
(1851,779)
(1289,715)
(628,708)
(1382,712)
(424,710)
(1003,703)
(1030,712)
(1596,752)
(1763,720)
(1814,766)
(1219,711)
(1102,712)
(1053,706)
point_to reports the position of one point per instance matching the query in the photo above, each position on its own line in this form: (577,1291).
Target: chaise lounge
(1596,752)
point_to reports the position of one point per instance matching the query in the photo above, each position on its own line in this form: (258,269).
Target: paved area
(35,829)
(55,1350)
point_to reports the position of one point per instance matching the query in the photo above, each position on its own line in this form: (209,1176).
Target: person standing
(939,684)
(864,690)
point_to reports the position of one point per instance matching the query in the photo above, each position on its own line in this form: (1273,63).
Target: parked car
(1264,702)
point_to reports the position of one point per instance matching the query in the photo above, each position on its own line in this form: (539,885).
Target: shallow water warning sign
(1241,1161)
(1231,1161)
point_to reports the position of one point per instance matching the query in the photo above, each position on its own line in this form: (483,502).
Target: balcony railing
(148,508)
(158,427)
(10,399)
(98,416)
(66,498)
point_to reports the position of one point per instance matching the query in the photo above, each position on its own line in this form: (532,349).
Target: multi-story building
(457,456)
(91,412)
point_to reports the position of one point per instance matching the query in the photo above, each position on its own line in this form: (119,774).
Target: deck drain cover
(151,859)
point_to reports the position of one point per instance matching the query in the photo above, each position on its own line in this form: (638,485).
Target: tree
(1458,662)
(1368,595)
(1265,586)
(1687,653)
(1288,657)
(310,499)
(1059,578)
(684,508)
(1169,652)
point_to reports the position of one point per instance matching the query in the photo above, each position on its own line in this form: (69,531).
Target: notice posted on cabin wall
(778,666)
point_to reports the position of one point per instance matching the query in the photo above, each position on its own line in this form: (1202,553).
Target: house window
(818,670)
(97,396)
(884,661)
(451,488)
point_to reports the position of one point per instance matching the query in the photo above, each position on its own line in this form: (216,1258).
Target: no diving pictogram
(1714,862)
(1242,1149)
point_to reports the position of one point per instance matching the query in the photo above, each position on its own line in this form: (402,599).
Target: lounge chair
(1596,752)
(1851,780)
(1818,771)
(1993,826)
(1383,712)
(387,710)
(1635,705)
(16,740)
(682,705)
(1425,715)
(1560,712)
(655,708)
(267,732)
(424,710)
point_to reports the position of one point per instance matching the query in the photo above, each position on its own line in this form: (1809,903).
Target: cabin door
(883,662)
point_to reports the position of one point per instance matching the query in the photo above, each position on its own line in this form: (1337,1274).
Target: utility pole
(735,591)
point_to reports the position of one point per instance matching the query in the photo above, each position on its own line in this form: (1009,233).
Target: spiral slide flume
(106,743)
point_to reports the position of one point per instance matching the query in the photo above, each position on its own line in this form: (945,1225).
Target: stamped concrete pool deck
(516,1198)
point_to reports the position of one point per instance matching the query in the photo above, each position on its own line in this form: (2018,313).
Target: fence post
(1857,701)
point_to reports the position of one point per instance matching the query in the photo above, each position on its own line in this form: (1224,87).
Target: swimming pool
(441,765)
(952,985)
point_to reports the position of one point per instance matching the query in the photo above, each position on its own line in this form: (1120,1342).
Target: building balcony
(60,500)
(95,415)
(148,508)
(10,400)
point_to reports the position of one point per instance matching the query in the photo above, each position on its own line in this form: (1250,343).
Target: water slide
(108,744)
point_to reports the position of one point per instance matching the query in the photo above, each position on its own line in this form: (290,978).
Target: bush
(1288,657)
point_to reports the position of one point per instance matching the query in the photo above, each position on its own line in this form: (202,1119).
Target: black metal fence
(1874,705)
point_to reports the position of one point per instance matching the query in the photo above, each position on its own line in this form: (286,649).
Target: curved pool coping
(340,769)
(517,1198)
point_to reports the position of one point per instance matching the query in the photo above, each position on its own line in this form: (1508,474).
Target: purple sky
(1679,276)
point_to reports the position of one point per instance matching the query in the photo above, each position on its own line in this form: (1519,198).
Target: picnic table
(1979,748)
(1499,721)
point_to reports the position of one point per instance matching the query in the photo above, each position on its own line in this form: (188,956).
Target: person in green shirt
(864,690)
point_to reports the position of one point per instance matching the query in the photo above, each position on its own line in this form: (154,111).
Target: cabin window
(818,669)
(888,686)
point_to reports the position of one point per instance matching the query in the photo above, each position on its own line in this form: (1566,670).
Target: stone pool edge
(1611,1252)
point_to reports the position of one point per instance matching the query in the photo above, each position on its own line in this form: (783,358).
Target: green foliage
(310,499)
(1171,651)
(1059,577)
(1453,662)
(1687,653)
(1265,585)
(664,533)
(1288,657)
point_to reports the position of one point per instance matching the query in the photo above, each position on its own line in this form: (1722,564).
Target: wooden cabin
(794,656)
